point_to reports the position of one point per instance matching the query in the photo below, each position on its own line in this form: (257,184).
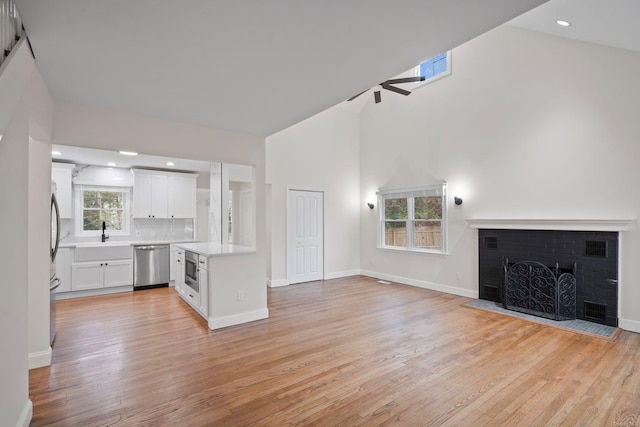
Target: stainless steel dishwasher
(150,266)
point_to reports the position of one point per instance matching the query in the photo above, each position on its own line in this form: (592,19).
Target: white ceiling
(90,156)
(253,66)
(606,22)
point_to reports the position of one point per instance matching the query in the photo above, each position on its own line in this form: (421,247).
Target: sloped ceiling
(254,66)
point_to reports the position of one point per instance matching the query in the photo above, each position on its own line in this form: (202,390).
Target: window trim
(411,193)
(79,211)
(447,72)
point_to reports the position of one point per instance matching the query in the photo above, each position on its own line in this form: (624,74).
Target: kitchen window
(413,219)
(97,204)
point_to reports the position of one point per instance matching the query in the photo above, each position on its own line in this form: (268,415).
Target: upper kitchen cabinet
(61,174)
(159,194)
(149,194)
(182,195)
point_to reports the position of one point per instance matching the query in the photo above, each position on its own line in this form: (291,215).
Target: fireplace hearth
(590,257)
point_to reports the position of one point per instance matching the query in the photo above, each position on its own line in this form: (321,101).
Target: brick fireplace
(591,246)
(593,254)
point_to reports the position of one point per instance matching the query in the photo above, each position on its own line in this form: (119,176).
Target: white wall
(527,126)
(320,154)
(19,114)
(40,130)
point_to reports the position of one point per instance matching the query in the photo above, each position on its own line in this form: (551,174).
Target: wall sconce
(370,205)
(457,201)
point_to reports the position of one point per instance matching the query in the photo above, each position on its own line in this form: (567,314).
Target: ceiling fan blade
(355,96)
(396,89)
(377,97)
(405,80)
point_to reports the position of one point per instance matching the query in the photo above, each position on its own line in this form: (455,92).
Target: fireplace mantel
(553,224)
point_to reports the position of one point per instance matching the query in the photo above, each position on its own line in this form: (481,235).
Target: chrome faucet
(104,236)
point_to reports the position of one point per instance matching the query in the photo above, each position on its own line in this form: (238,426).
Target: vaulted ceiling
(253,66)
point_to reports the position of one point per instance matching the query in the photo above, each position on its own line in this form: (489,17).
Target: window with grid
(103,204)
(413,219)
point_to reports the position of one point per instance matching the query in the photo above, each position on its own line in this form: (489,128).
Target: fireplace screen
(533,288)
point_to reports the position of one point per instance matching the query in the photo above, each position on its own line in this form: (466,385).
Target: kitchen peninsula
(224,283)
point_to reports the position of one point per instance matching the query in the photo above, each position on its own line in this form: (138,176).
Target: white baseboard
(339,274)
(422,284)
(38,359)
(277,283)
(629,325)
(236,319)
(25,415)
(93,292)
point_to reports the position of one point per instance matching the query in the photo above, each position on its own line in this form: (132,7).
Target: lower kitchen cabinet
(203,280)
(101,274)
(179,271)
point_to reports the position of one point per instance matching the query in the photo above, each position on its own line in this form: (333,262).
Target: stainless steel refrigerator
(54,281)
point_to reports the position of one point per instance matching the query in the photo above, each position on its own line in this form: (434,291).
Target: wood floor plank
(340,352)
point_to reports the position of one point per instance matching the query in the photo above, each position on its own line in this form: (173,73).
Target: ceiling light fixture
(128,153)
(563,23)
(56,153)
(170,164)
(111,164)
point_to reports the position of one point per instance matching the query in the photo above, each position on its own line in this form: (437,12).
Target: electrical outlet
(240,295)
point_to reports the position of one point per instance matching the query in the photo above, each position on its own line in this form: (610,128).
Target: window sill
(412,251)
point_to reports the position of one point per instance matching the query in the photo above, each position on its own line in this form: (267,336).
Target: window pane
(440,66)
(395,208)
(90,199)
(111,200)
(395,233)
(112,219)
(91,220)
(428,207)
(426,69)
(427,234)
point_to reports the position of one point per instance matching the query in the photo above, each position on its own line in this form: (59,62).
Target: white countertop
(122,243)
(210,249)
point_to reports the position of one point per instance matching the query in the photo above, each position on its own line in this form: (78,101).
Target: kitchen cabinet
(182,195)
(179,271)
(172,263)
(159,194)
(203,280)
(149,194)
(101,274)
(61,174)
(63,269)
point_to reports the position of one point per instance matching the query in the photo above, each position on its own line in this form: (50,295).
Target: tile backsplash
(142,229)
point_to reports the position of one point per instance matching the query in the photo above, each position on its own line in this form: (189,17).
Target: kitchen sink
(103,251)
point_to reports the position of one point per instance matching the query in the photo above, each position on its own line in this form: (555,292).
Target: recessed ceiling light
(170,164)
(128,153)
(111,164)
(563,23)
(118,178)
(56,153)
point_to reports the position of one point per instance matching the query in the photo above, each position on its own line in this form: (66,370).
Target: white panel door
(305,261)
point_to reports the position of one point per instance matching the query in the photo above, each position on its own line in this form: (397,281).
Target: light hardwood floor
(341,352)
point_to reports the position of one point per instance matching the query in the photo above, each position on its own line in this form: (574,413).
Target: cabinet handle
(106,263)
(178,260)
(101,265)
(191,296)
